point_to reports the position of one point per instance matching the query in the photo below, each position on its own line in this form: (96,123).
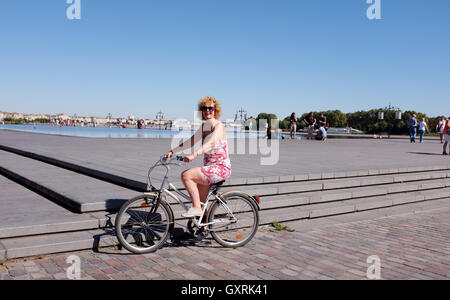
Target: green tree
(335,118)
(267,117)
(14,121)
(433,122)
(285,124)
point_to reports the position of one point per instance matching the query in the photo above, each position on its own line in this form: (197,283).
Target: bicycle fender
(248,195)
(163,199)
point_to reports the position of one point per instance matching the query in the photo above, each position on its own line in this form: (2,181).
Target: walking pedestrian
(412,124)
(446,133)
(322,134)
(293,121)
(323,127)
(422,129)
(440,128)
(323,121)
(310,123)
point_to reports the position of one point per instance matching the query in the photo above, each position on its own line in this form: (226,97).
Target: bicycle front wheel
(139,228)
(233,222)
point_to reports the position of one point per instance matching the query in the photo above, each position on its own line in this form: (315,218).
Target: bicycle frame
(166,185)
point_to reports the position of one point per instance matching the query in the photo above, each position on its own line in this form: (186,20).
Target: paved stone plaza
(347,199)
(131,158)
(409,246)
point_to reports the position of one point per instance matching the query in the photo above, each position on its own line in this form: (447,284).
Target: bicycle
(144,223)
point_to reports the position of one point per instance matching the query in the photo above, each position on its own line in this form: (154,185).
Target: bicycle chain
(200,233)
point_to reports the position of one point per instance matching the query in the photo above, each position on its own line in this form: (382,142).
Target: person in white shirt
(422,129)
(440,128)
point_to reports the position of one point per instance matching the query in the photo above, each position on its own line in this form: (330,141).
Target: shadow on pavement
(425,153)
(104,241)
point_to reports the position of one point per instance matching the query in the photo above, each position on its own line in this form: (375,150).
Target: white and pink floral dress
(217,164)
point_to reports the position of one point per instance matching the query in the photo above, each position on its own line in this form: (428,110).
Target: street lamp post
(398,116)
(242,114)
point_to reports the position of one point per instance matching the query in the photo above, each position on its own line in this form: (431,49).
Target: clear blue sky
(141,56)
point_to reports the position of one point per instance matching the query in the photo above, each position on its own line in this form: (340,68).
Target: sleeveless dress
(217,164)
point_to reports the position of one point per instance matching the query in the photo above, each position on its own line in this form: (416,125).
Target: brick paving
(409,246)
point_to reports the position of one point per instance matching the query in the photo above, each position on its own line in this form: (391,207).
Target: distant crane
(242,114)
(160,117)
(109,120)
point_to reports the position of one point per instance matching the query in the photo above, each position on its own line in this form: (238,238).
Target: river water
(114,132)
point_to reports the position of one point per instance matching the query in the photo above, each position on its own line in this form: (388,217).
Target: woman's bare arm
(192,141)
(216,135)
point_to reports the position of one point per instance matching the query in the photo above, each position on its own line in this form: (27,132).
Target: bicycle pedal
(200,237)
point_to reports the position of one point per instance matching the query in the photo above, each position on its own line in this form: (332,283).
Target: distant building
(32,117)
(79,120)
(15,115)
(63,117)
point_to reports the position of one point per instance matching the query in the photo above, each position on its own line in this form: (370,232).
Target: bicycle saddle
(215,187)
(218,184)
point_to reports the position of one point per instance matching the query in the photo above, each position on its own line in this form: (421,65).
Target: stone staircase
(59,208)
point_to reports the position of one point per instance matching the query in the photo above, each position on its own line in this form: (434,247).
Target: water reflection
(106,132)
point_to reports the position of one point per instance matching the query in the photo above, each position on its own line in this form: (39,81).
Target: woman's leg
(445,148)
(204,191)
(192,178)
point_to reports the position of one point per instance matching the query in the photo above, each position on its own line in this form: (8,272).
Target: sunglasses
(208,108)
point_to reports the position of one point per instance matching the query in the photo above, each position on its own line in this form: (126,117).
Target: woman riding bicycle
(217,165)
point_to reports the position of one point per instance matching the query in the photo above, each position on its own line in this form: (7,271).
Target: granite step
(83,193)
(77,192)
(296,208)
(47,217)
(86,194)
(401,189)
(93,239)
(107,174)
(323,210)
(340,184)
(27,213)
(138,183)
(55,243)
(274,201)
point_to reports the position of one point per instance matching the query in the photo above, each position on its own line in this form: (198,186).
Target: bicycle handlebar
(165,160)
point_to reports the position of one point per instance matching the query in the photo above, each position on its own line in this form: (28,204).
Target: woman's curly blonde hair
(208,99)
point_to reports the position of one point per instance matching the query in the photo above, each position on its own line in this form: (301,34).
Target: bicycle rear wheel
(234,221)
(139,228)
